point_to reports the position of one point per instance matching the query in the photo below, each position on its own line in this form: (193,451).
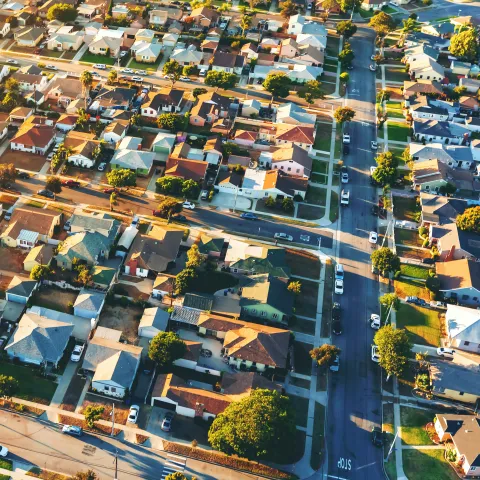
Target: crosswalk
(173,464)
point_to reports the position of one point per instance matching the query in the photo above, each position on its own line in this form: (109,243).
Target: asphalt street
(354,392)
(442,9)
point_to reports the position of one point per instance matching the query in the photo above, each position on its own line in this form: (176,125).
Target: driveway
(227,201)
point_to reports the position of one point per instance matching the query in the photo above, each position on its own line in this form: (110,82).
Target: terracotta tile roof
(187,169)
(286,183)
(240,385)
(246,135)
(68,119)
(33,135)
(295,133)
(218,323)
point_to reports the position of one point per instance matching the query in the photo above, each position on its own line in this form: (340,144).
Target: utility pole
(113,424)
(115,461)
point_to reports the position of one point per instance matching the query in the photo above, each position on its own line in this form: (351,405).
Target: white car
(141,72)
(101,167)
(436,304)
(50,156)
(100,66)
(335,367)
(188,205)
(51,67)
(375,354)
(339,286)
(372,57)
(12,62)
(373,237)
(445,352)
(344,177)
(283,236)
(77,353)
(137,79)
(346,138)
(123,54)
(126,70)
(3,451)
(133,414)
(185,79)
(373,68)
(374,145)
(375,321)
(372,170)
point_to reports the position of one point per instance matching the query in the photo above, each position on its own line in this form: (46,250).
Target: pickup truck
(345,198)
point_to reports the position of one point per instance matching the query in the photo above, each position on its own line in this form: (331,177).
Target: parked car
(373,67)
(377,436)
(283,236)
(167,421)
(375,321)
(375,354)
(133,414)
(374,145)
(72,430)
(179,218)
(335,366)
(101,167)
(135,221)
(71,183)
(45,193)
(336,311)
(445,352)
(109,190)
(428,261)
(137,79)
(337,327)
(437,304)
(12,62)
(50,156)
(344,177)
(373,237)
(248,216)
(411,299)
(346,149)
(339,286)
(188,205)
(126,70)
(23,175)
(346,138)
(141,72)
(51,67)
(67,226)
(3,451)
(100,66)
(77,353)
(123,53)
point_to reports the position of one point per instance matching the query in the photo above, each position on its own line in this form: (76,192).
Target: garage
(165,405)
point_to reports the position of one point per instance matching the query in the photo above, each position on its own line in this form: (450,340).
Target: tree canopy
(385,260)
(39,272)
(469,220)
(344,114)
(386,171)
(63,12)
(346,28)
(173,69)
(93,413)
(465,45)
(8,173)
(393,348)
(390,300)
(220,79)
(382,23)
(169,206)
(54,185)
(171,121)
(311,90)
(165,348)
(195,258)
(288,9)
(8,386)
(346,56)
(260,426)
(278,84)
(325,355)
(183,280)
(121,177)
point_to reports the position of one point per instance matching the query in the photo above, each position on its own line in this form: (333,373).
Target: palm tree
(86,79)
(245,22)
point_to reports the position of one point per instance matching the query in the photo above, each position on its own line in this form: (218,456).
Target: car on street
(51,67)
(375,354)
(411,299)
(350,67)
(23,175)
(283,236)
(375,321)
(445,352)
(344,177)
(346,149)
(167,422)
(133,414)
(373,237)
(336,311)
(373,68)
(345,197)
(377,436)
(77,353)
(110,190)
(71,183)
(169,76)
(248,216)
(72,430)
(437,304)
(372,57)
(45,193)
(375,210)
(135,221)
(126,70)
(346,138)
(185,79)
(428,261)
(137,79)
(100,66)
(101,167)
(124,53)
(141,72)
(337,327)
(335,366)
(12,62)
(3,451)
(339,286)
(188,205)
(374,145)
(179,218)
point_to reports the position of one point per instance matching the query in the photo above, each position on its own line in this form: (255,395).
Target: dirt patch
(130,291)
(4,283)
(303,263)
(86,174)
(55,299)
(121,410)
(124,319)
(20,407)
(7,200)
(24,160)
(66,420)
(306,301)
(141,439)
(12,259)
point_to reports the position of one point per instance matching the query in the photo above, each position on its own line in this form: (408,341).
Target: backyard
(407,237)
(55,299)
(124,319)
(413,421)
(423,325)
(211,282)
(407,287)
(406,208)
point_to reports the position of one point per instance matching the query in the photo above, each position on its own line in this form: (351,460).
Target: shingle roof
(89,300)
(21,286)
(187,169)
(133,159)
(155,317)
(198,302)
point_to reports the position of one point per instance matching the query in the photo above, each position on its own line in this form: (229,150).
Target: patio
(215,362)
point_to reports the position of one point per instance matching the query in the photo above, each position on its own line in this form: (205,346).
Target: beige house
(39,255)
(66,42)
(106,46)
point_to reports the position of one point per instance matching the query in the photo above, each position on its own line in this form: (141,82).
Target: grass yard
(411,288)
(397,154)
(303,361)
(394,109)
(394,74)
(405,208)
(210,282)
(323,138)
(307,212)
(319,178)
(306,301)
(318,437)
(31,387)
(427,465)
(320,167)
(422,324)
(330,68)
(92,58)
(407,237)
(413,421)
(398,131)
(316,195)
(391,467)
(6,464)
(333,206)
(300,405)
(414,271)
(303,263)
(387,424)
(54,299)
(144,66)
(327,300)
(333,44)
(328,87)
(365,13)
(304,326)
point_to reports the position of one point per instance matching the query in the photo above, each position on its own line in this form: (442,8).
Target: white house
(187,56)
(115,131)
(153,321)
(4,29)
(293,114)
(170,39)
(426,68)
(295,24)
(104,44)
(463,327)
(293,160)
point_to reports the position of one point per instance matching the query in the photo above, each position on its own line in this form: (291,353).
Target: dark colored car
(179,218)
(377,436)
(336,311)
(375,211)
(45,193)
(248,216)
(109,190)
(71,183)
(428,261)
(23,175)
(346,149)
(337,327)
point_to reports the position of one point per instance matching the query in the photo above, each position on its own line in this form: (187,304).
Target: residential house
(89,304)
(463,431)
(213,150)
(455,382)
(250,108)
(372,4)
(420,52)
(30,82)
(66,122)
(163,143)
(421,87)
(152,253)
(417,38)
(289,49)
(310,55)
(463,327)
(187,56)
(153,321)
(163,285)
(296,24)
(455,156)
(102,277)
(33,138)
(426,68)
(29,36)
(39,255)
(171,39)
(120,10)
(296,72)
(29,225)
(430,175)
(39,340)
(164,15)
(422,107)
(115,131)
(20,290)
(65,42)
(264,22)
(460,280)
(210,246)
(114,364)
(287,135)
(168,99)
(228,62)
(209,107)
(103,45)
(195,170)
(245,138)
(4,29)
(472,85)
(83,148)
(204,17)
(437,131)
(460,68)
(440,29)
(249,50)
(20,114)
(293,114)
(146,52)
(293,160)
(267,298)
(139,161)
(118,98)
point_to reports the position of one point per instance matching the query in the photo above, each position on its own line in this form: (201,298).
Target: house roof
(295,153)
(163,139)
(93,223)
(288,184)
(463,323)
(459,274)
(33,135)
(438,209)
(295,133)
(228,60)
(207,244)
(187,169)
(85,246)
(67,119)
(204,12)
(218,323)
(229,177)
(213,143)
(133,159)
(198,302)
(165,96)
(30,33)
(39,338)
(28,78)
(295,112)
(90,300)
(115,96)
(210,102)
(164,282)
(155,317)
(81,143)
(421,86)
(103,275)
(155,250)
(117,127)
(465,433)
(21,286)
(450,376)
(429,171)
(42,254)
(246,135)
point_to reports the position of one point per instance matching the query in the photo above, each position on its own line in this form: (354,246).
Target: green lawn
(389,10)
(306,301)
(6,464)
(318,436)
(407,237)
(91,58)
(398,131)
(316,195)
(303,361)
(320,167)
(414,271)
(413,421)
(210,282)
(31,387)
(333,206)
(391,466)
(319,178)
(395,74)
(304,326)
(330,68)
(408,288)
(309,212)
(365,13)
(323,137)
(144,66)
(333,44)
(300,405)
(394,109)
(405,208)
(422,324)
(427,465)
(328,87)
(397,154)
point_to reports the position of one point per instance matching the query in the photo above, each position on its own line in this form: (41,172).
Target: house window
(461,393)
(114,390)
(254,310)
(472,469)
(106,388)
(275,316)
(466,343)
(298,170)
(289,169)
(475,299)
(263,314)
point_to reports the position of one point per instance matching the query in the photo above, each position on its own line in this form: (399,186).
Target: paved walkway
(80,53)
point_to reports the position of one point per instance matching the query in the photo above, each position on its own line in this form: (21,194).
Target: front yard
(300,404)
(309,212)
(92,58)
(395,74)
(316,196)
(414,271)
(413,421)
(303,361)
(422,324)
(427,464)
(407,237)
(398,131)
(394,109)
(303,263)
(323,137)
(411,288)
(318,436)
(23,160)
(306,301)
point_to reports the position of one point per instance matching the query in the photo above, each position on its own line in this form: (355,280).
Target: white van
(339,271)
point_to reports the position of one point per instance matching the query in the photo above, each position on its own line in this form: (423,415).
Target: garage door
(162,404)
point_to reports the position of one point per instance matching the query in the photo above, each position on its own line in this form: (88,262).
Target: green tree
(39,272)
(390,300)
(346,56)
(113,200)
(385,260)
(93,413)
(278,84)
(245,22)
(199,91)
(448,189)
(295,287)
(121,177)
(259,426)
(189,70)
(86,79)
(12,85)
(165,348)
(63,12)
(287,204)
(346,28)
(84,275)
(174,70)
(465,45)
(224,7)
(311,90)
(231,148)
(190,189)
(386,171)
(220,79)
(8,386)
(169,185)
(288,9)
(427,3)
(195,258)
(344,114)
(325,355)
(328,6)
(346,5)
(183,280)
(112,77)
(409,25)
(168,207)
(394,350)
(270,202)
(8,173)
(171,121)
(469,220)
(382,23)
(88,475)
(54,185)
(344,77)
